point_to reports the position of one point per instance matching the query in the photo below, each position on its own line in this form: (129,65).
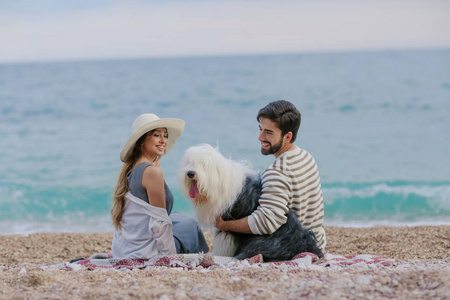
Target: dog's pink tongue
(193,191)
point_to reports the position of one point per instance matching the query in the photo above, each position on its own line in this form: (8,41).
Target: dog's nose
(190,174)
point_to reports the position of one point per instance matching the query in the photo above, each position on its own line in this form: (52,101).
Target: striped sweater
(292,181)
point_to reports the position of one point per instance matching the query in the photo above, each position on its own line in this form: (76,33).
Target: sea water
(377,124)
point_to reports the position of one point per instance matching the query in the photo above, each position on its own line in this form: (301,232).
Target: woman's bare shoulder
(153,172)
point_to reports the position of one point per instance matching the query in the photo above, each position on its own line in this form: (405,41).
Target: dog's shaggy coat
(222,187)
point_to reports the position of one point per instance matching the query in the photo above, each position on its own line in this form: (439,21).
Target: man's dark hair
(285,114)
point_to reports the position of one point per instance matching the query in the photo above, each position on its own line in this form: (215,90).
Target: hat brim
(174,128)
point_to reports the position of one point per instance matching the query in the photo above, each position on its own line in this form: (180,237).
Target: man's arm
(273,203)
(271,212)
(240,225)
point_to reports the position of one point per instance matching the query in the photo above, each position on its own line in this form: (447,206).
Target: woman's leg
(188,236)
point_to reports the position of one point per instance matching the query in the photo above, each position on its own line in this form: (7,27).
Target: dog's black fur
(289,240)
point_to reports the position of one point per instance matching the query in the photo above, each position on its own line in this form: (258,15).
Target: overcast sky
(47,30)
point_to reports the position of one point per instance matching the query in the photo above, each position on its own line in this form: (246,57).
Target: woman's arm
(153,182)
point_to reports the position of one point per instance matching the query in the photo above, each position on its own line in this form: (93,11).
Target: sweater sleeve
(273,203)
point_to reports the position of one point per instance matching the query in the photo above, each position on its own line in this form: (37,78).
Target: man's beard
(273,148)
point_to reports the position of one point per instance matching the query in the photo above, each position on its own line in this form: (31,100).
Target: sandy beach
(421,270)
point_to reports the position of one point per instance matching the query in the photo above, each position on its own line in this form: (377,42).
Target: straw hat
(146,122)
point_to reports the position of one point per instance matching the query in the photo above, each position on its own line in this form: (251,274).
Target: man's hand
(220,223)
(240,225)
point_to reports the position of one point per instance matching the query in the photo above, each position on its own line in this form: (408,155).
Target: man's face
(269,136)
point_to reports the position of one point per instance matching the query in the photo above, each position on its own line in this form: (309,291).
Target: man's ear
(288,137)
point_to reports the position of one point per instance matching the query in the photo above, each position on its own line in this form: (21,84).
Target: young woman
(142,202)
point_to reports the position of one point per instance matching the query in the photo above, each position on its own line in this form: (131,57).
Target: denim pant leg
(188,236)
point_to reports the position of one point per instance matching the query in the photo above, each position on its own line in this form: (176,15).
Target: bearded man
(291,181)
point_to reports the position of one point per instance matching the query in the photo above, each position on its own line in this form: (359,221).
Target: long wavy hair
(122,186)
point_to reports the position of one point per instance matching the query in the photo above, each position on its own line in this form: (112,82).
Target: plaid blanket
(206,260)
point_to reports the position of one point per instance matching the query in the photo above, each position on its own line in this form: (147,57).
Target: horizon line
(224,55)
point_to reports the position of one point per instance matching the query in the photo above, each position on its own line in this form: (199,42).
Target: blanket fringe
(208,261)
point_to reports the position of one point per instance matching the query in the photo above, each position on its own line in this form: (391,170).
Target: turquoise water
(377,124)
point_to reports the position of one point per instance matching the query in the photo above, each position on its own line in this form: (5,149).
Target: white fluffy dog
(218,186)
(205,174)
